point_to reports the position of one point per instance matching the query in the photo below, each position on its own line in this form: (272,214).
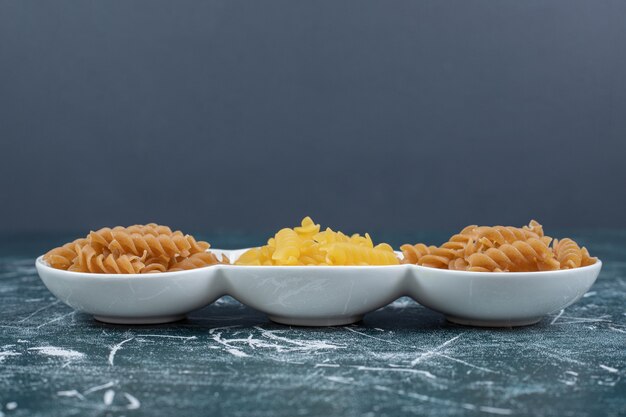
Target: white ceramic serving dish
(499,299)
(321,295)
(134,298)
(315,296)
(298,295)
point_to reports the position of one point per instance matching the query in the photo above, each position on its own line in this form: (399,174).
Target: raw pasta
(63,257)
(500,249)
(307,245)
(570,255)
(197,260)
(88,260)
(137,249)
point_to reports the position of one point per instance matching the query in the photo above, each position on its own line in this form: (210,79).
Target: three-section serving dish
(321,295)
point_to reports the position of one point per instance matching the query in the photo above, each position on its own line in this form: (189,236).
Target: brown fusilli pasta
(88,260)
(500,249)
(149,248)
(62,257)
(197,260)
(413,253)
(568,253)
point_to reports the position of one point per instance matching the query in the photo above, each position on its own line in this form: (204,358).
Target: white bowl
(134,298)
(298,295)
(321,295)
(499,299)
(316,295)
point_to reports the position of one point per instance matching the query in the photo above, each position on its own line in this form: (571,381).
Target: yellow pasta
(307,245)
(307,229)
(500,249)
(136,249)
(287,250)
(351,254)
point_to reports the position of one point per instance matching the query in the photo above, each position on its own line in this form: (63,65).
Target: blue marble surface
(228,359)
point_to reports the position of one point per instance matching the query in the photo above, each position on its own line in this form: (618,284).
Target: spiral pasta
(197,260)
(568,253)
(521,255)
(351,254)
(88,260)
(63,257)
(413,253)
(500,249)
(136,249)
(307,245)
(287,247)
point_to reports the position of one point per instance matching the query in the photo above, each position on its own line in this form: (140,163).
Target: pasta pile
(138,249)
(306,245)
(500,249)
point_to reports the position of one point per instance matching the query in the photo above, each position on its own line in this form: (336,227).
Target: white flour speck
(237,352)
(495,410)
(99,387)
(115,348)
(7,353)
(133,403)
(609,368)
(58,352)
(340,379)
(71,393)
(109,395)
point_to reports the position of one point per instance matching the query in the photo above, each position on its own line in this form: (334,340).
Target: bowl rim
(39,262)
(596,264)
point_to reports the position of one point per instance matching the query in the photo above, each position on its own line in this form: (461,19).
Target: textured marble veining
(227,359)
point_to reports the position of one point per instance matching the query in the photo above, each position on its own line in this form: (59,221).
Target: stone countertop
(228,359)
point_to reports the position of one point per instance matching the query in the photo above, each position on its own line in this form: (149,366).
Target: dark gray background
(247,115)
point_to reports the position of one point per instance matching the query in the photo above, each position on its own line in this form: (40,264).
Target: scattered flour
(58,352)
(99,387)
(71,393)
(109,395)
(340,379)
(5,354)
(609,368)
(133,403)
(117,347)
(237,352)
